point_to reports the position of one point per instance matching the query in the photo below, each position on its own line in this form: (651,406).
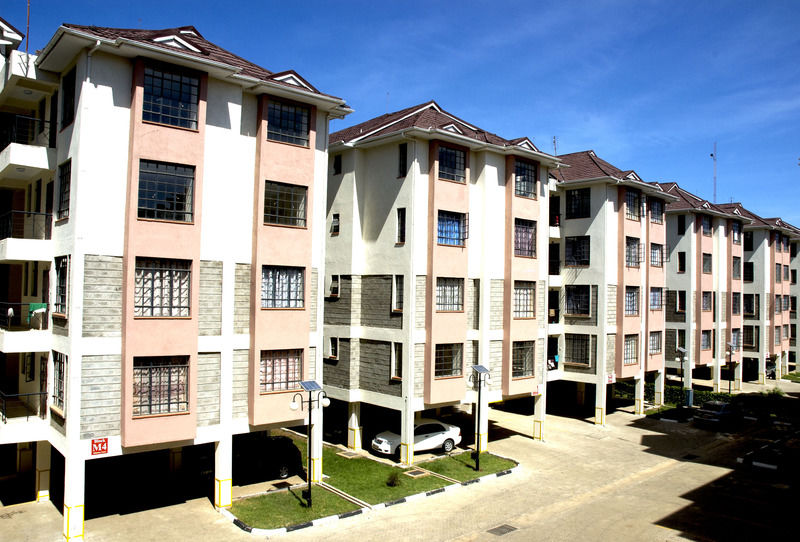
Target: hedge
(672,394)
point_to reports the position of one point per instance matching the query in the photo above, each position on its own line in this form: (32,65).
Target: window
(68,98)
(166,191)
(397,294)
(64,181)
(793,253)
(449,294)
(285,204)
(453,228)
(577,301)
(786,273)
(793,303)
(524,238)
(522,358)
(681,224)
(396,368)
(750,308)
(401,225)
(335,224)
(776,240)
(706,225)
(631,300)
(786,302)
(631,356)
(334,289)
(777,335)
(655,342)
(736,338)
(62,285)
(681,262)
(632,256)
(452,164)
(59,380)
(525,179)
(656,255)
(656,211)
(777,304)
(736,233)
(785,243)
(656,299)
(681,338)
(576,349)
(337,164)
(633,205)
(736,268)
(706,263)
(748,241)
(578,203)
(748,272)
(777,272)
(524,299)
(750,336)
(707,301)
(288,123)
(792,331)
(680,301)
(448,360)
(576,251)
(170,96)
(162,288)
(705,339)
(280,370)
(793,275)
(282,287)
(334,348)
(736,303)
(160,385)
(402,159)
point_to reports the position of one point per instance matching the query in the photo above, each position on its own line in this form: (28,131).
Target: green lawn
(284,508)
(461,467)
(794,377)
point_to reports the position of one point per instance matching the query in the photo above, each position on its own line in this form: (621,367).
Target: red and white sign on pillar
(99,446)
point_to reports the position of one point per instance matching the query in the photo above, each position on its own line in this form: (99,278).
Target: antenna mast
(28,28)
(555,149)
(714,156)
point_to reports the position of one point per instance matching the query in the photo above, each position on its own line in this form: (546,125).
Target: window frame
(64,189)
(655,346)
(577,251)
(462,231)
(396,362)
(449,294)
(293,358)
(706,225)
(60,364)
(162,278)
(577,346)
(706,301)
(295,288)
(524,238)
(402,160)
(708,263)
(575,297)
(633,257)
(736,268)
(706,344)
(523,359)
(153,199)
(398,289)
(524,299)
(656,249)
(656,211)
(632,301)
(578,203)
(62,272)
(69,94)
(335,223)
(448,360)
(736,303)
(523,187)
(736,233)
(452,164)
(286,203)
(400,239)
(285,126)
(154,104)
(630,348)
(334,286)
(175,367)
(633,205)
(656,293)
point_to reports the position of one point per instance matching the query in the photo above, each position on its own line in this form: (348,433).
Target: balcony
(22,406)
(25,236)
(24,327)
(24,149)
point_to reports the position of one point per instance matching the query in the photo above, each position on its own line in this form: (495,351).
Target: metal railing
(554,267)
(24,130)
(23,316)
(26,225)
(18,405)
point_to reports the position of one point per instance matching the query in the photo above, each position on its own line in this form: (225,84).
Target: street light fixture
(681,360)
(482,374)
(321,400)
(731,350)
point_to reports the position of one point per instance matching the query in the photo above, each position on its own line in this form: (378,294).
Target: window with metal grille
(633,204)
(777,304)
(656,299)
(525,179)
(736,303)
(578,203)
(452,164)
(524,237)
(397,361)
(655,342)
(162,287)
(280,370)
(576,349)
(777,272)
(448,360)
(577,300)
(160,385)
(706,220)
(631,353)
(736,233)
(282,287)
(631,300)
(287,123)
(64,181)
(397,294)
(736,268)
(750,304)
(522,355)
(777,335)
(748,272)
(632,255)
(750,336)
(785,243)
(524,299)
(656,255)
(285,204)
(166,191)
(453,228)
(785,331)
(707,301)
(786,302)
(576,251)
(776,240)
(656,211)
(170,96)
(401,225)
(402,159)
(335,224)
(706,262)
(786,273)
(736,338)
(705,340)
(62,285)
(68,98)
(59,380)
(449,294)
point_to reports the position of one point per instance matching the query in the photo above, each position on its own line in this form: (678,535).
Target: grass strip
(461,467)
(285,508)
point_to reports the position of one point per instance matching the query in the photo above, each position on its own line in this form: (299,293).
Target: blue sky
(649,85)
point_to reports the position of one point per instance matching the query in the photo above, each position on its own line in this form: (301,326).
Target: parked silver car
(428,435)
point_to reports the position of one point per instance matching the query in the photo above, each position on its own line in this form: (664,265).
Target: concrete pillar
(223,472)
(42,471)
(580,397)
(778,367)
(737,376)
(687,382)
(658,398)
(407,437)
(716,374)
(762,369)
(638,395)
(600,404)
(74,482)
(539,413)
(354,426)
(315,419)
(785,358)
(482,422)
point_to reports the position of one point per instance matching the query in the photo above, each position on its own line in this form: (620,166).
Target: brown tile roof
(189,34)
(689,201)
(587,165)
(757,220)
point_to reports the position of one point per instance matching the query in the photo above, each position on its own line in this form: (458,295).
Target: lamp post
(321,400)
(681,360)
(731,350)
(480,374)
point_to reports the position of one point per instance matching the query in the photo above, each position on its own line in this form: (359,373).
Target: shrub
(393,480)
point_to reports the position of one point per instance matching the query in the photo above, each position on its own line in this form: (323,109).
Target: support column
(687,381)
(638,395)
(762,369)
(223,475)
(600,404)
(482,424)
(539,413)
(407,437)
(716,374)
(74,482)
(354,426)
(658,398)
(42,471)
(778,367)
(737,376)
(315,419)
(580,397)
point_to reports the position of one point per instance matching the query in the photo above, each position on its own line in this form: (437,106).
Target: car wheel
(283,472)
(448,446)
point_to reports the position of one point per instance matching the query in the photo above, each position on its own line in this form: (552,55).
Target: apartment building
(606,280)
(704,287)
(766,294)
(163,210)
(794,292)
(436,262)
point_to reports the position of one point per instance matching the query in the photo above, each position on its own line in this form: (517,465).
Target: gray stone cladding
(611,352)
(671,306)
(208,369)
(473,303)
(376,303)
(419,302)
(611,298)
(337,309)
(336,372)
(210,311)
(102,296)
(313,299)
(495,364)
(419,369)
(101,392)
(670,342)
(496,304)
(312,362)
(241,298)
(241,359)
(375,368)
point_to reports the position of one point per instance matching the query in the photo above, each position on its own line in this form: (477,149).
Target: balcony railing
(25,225)
(555,219)
(23,316)
(24,130)
(22,405)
